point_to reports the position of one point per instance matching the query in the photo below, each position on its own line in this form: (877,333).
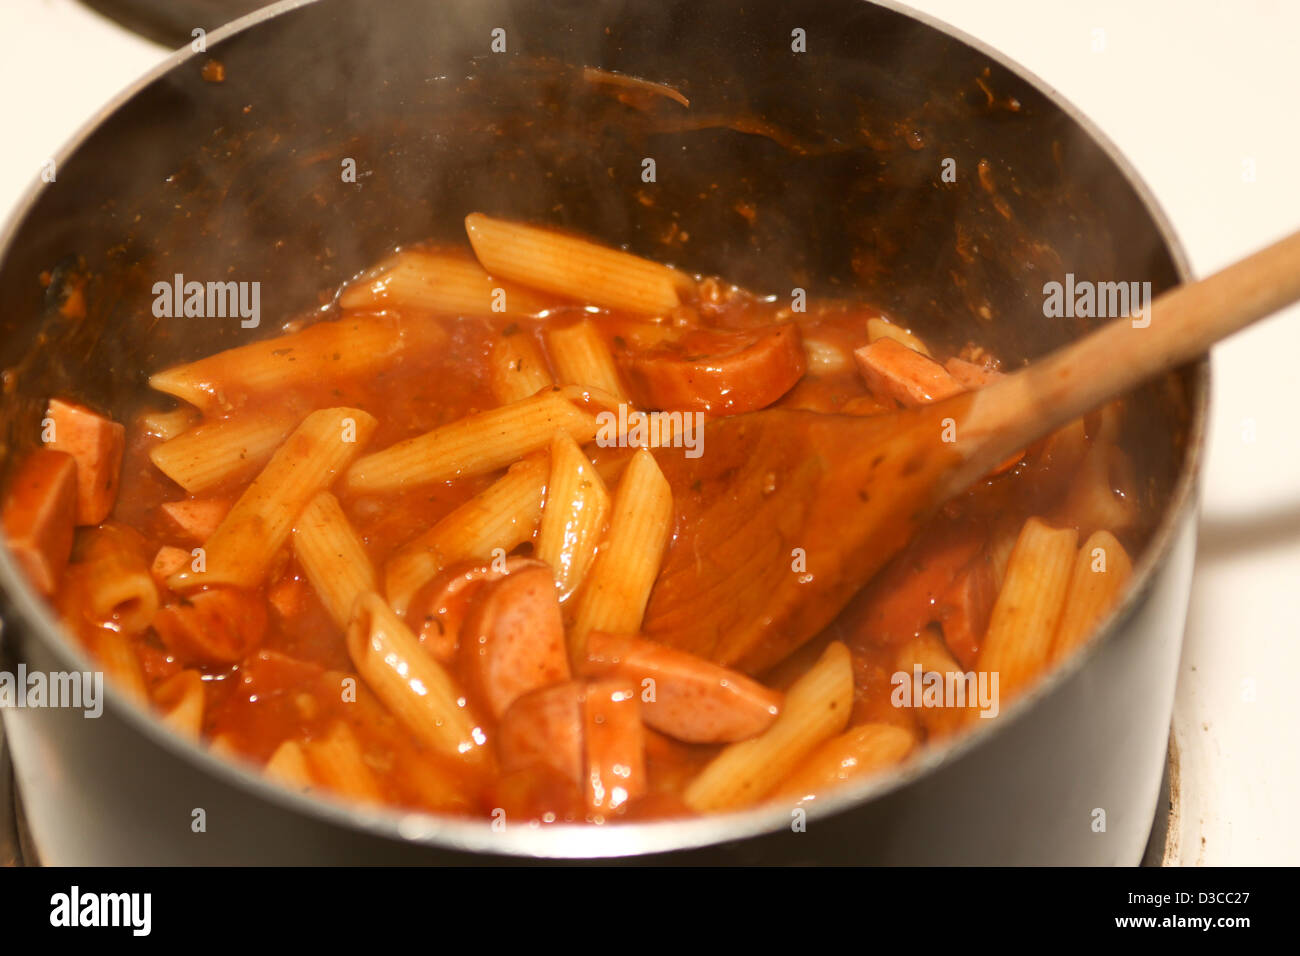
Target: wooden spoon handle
(1180,325)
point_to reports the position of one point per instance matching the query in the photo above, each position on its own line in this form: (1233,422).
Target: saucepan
(853,150)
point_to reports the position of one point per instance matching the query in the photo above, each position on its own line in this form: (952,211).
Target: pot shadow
(1221,538)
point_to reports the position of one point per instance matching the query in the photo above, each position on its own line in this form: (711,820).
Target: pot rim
(587,841)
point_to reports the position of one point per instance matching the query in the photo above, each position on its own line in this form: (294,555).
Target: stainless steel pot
(817,168)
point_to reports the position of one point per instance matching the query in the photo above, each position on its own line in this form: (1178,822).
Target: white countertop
(1201,96)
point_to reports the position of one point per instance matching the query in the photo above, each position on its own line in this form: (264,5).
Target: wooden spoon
(786,514)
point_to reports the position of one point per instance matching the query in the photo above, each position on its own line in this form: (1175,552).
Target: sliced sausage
(544,726)
(892,370)
(513,638)
(437,611)
(615,745)
(718,371)
(684,696)
(39,514)
(96,443)
(197,518)
(220,625)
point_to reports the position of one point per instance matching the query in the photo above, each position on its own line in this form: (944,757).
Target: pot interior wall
(817,169)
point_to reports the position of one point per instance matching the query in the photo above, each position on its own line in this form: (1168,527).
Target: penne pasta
(1102,493)
(438,282)
(517,368)
(824,357)
(121,666)
(928,651)
(415,687)
(854,754)
(573,520)
(1101,570)
(337,761)
(119,587)
(504,515)
(816,708)
(581,357)
(627,562)
(288,766)
(224,452)
(326,351)
(167,425)
(242,548)
(332,557)
(472,445)
(180,698)
(574,267)
(1028,608)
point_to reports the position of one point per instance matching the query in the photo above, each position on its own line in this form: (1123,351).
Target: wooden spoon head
(783,517)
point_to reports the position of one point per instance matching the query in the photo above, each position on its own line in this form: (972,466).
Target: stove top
(170,22)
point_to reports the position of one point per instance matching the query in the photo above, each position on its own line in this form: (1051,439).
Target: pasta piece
(618,586)
(1103,491)
(817,707)
(415,687)
(119,586)
(288,766)
(822,357)
(40,513)
(181,700)
(326,351)
(574,267)
(1101,570)
(573,519)
(472,445)
(332,556)
(241,549)
(503,515)
(517,368)
(1028,607)
(223,746)
(96,444)
(337,761)
(121,664)
(854,754)
(439,282)
(615,743)
(224,452)
(581,357)
(198,518)
(167,562)
(928,651)
(167,425)
(883,329)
